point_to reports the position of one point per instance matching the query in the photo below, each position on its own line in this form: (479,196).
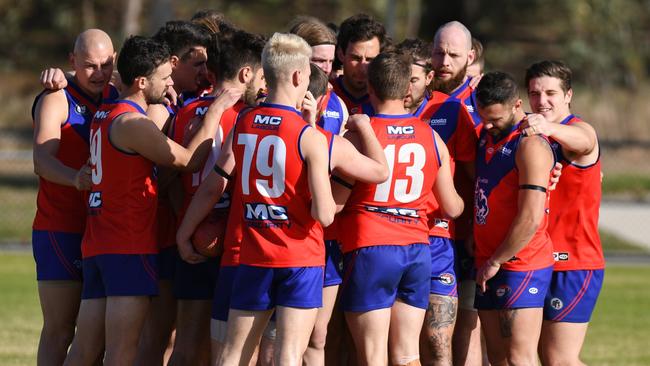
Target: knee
(58,332)
(522,360)
(318,338)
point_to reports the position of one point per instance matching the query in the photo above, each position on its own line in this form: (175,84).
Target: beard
(250,94)
(155,99)
(448,86)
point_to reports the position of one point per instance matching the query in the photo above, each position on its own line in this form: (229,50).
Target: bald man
(61,149)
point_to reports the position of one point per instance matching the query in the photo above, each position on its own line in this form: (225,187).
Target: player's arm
(207,195)
(141,135)
(344,117)
(578,138)
(50,113)
(314,148)
(159,114)
(368,164)
(534,160)
(450,202)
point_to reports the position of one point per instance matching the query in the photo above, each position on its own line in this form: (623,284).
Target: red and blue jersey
(573,219)
(271,179)
(355,105)
(466,95)
(496,205)
(449,118)
(334,113)
(62,208)
(394,212)
(122,204)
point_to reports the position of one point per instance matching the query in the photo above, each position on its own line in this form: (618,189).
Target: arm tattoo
(506,320)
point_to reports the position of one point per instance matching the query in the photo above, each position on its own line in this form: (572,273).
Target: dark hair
(214,51)
(317,81)
(242,49)
(360,28)
(496,88)
(554,69)
(389,75)
(419,50)
(140,56)
(313,31)
(479,55)
(212,21)
(181,36)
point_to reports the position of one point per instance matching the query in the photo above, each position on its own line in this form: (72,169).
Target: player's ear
(568,95)
(429,78)
(71,59)
(245,75)
(141,82)
(296,77)
(174,61)
(471,56)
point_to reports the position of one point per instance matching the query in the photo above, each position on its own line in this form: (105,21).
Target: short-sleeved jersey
(354,105)
(272,181)
(466,95)
(394,212)
(450,119)
(58,207)
(122,203)
(573,219)
(334,113)
(196,109)
(496,205)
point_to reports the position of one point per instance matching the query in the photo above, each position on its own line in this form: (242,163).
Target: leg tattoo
(506,320)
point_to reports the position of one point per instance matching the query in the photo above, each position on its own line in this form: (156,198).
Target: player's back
(123,197)
(278,229)
(573,218)
(394,212)
(496,204)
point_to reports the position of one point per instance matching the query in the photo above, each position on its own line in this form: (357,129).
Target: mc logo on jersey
(95,200)
(101,114)
(201,111)
(262,211)
(267,122)
(400,130)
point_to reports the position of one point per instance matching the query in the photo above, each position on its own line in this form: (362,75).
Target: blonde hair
(283,54)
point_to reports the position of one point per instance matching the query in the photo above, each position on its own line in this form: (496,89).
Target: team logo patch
(502,291)
(267,122)
(556,303)
(481,206)
(77,264)
(437,122)
(470,108)
(533,290)
(560,256)
(331,114)
(447,279)
(80,109)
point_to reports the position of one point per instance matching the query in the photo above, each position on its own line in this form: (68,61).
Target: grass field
(618,334)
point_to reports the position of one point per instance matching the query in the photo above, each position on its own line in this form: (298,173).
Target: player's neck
(460,85)
(390,107)
(136,97)
(356,93)
(281,96)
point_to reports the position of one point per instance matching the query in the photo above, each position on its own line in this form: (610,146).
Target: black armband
(533,187)
(340,181)
(222,172)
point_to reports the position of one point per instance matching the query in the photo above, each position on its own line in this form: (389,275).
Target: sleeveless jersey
(496,201)
(271,178)
(394,212)
(333,114)
(573,219)
(330,232)
(354,105)
(196,109)
(58,207)
(449,118)
(122,204)
(466,95)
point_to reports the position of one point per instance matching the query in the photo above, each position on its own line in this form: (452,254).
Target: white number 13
(408,153)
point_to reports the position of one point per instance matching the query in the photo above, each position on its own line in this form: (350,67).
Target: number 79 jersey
(394,212)
(271,179)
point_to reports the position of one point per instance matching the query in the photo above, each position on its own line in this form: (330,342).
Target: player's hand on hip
(488,270)
(53,79)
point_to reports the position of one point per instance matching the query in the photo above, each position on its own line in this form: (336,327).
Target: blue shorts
(120,275)
(167,263)
(465,268)
(223,292)
(572,295)
(374,277)
(263,288)
(195,281)
(57,255)
(514,290)
(443,275)
(333,263)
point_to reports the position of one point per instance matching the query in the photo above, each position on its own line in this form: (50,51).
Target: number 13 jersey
(394,212)
(271,179)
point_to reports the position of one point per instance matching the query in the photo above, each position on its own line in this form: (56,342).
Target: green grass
(628,184)
(18,209)
(618,334)
(612,243)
